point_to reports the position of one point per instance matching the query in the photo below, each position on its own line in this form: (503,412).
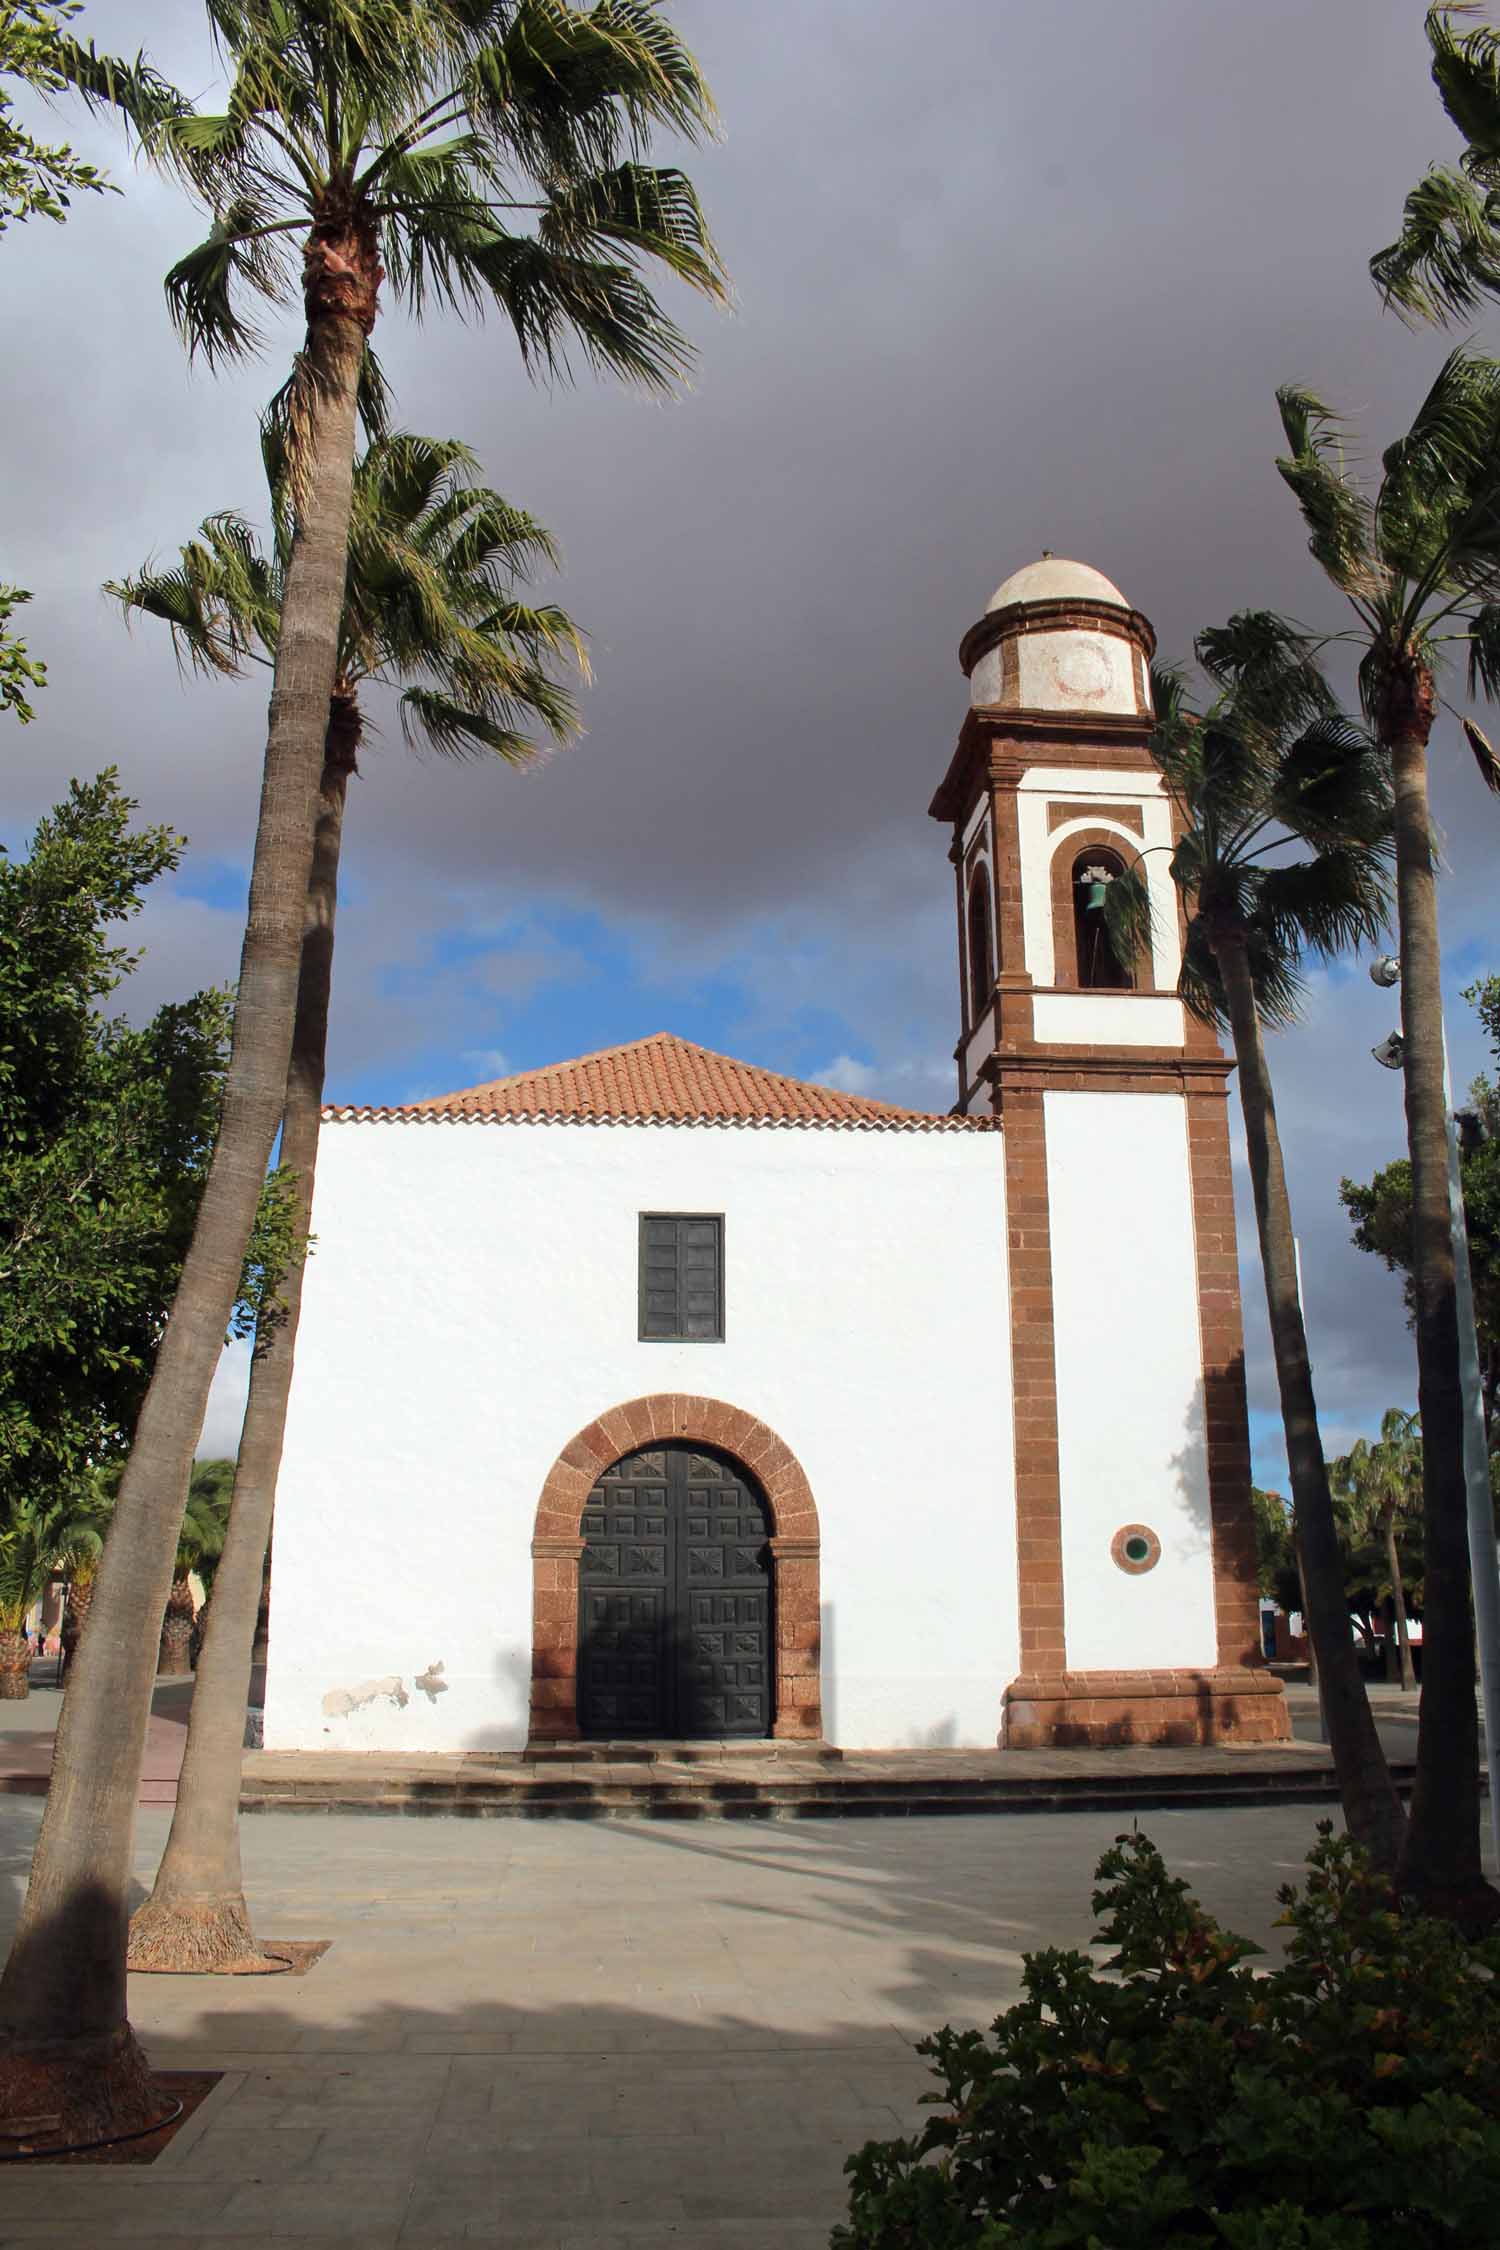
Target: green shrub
(1347,2098)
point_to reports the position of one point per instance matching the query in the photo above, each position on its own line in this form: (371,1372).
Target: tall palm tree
(482,154)
(1283,849)
(1418,560)
(1378,1483)
(430,608)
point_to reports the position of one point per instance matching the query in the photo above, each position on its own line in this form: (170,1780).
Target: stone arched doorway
(559,1542)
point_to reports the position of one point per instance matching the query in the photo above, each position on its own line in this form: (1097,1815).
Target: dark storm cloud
(1006,278)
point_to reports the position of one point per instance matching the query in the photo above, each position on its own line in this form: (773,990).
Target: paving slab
(579,2036)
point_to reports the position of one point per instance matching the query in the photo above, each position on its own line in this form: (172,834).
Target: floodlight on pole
(1385,970)
(1391,1053)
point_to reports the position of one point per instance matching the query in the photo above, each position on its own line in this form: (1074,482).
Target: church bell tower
(1135,1544)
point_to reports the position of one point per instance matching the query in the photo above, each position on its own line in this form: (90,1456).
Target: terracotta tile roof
(660,1080)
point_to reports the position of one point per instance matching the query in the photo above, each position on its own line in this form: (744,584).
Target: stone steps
(780,1790)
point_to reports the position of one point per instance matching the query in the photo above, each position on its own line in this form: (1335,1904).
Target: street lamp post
(1484,1562)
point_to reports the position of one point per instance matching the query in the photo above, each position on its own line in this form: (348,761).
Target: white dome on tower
(1055,579)
(1060,636)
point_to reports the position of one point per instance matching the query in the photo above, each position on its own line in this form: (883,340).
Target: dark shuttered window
(682,1277)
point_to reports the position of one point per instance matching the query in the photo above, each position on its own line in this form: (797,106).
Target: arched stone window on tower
(981,923)
(1100,968)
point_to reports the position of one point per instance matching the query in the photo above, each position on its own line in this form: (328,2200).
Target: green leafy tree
(1380,1483)
(37,178)
(20,672)
(481,155)
(1275,1562)
(1418,559)
(1283,812)
(431,608)
(1380,1208)
(105,1137)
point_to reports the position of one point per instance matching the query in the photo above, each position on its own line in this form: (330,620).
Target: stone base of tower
(1098,1710)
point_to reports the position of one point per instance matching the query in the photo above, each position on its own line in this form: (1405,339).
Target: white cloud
(846,1075)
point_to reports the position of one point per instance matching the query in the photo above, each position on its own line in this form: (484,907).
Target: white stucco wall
(471,1305)
(1108,1019)
(1129,1379)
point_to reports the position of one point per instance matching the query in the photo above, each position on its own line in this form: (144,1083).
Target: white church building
(655,1395)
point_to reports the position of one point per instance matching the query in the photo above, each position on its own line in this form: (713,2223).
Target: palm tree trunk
(15,1665)
(176,1631)
(1312,1654)
(1372,1809)
(1398,1597)
(66,2047)
(1440,1862)
(196,1918)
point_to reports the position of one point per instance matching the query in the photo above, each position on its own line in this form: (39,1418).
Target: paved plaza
(564,2035)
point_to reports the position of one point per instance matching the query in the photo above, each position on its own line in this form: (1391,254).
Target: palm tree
(1418,560)
(483,154)
(33,1541)
(1378,1483)
(80,1556)
(430,607)
(200,1539)
(1283,849)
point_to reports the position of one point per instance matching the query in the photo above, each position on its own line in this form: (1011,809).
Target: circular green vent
(1135,1548)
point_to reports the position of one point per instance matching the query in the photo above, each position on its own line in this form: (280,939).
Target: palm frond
(653,211)
(210,152)
(434,721)
(1446,259)
(221,603)
(1268,668)
(374,402)
(201,287)
(1279,983)
(1466,73)
(1332,785)
(1326,905)
(1484,756)
(1270,765)
(1128,916)
(574,89)
(1437,511)
(551,300)
(135,90)
(1484,650)
(1338,516)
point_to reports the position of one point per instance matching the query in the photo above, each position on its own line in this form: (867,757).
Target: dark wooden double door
(674,1599)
